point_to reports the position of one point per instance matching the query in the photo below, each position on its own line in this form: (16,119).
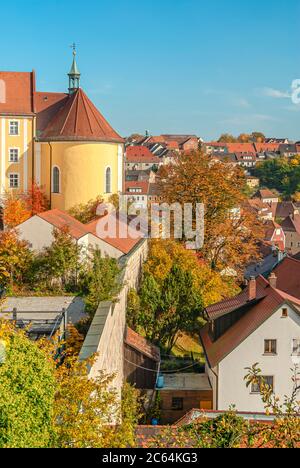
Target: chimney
(273,280)
(252,289)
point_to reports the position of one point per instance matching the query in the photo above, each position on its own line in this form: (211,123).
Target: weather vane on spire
(73,46)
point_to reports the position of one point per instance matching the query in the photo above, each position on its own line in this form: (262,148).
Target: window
(266,379)
(14,127)
(13,180)
(14,155)
(270,347)
(296,347)
(108,180)
(56,180)
(177,404)
(285,313)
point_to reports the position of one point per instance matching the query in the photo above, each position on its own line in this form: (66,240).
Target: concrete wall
(106,334)
(232,388)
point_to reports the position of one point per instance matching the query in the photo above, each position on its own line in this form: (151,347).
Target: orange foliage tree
(15,212)
(232,230)
(21,206)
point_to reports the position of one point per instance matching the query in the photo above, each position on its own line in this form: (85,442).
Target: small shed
(141,361)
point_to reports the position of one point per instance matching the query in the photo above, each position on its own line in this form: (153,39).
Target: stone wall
(106,334)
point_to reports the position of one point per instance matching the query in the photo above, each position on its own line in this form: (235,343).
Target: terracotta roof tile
(79,119)
(125,245)
(256,314)
(140,343)
(47,106)
(19,88)
(288,276)
(60,219)
(143,185)
(140,154)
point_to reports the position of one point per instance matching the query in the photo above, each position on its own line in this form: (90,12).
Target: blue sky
(168,66)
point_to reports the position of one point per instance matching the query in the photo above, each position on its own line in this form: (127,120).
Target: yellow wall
(82,167)
(24,142)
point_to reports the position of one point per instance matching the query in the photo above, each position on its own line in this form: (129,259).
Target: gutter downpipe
(50,195)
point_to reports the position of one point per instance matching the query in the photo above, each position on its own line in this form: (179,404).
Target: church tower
(74,74)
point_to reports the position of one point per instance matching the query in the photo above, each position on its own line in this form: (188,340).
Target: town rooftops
(291,223)
(140,154)
(17,93)
(258,302)
(265,194)
(140,187)
(78,119)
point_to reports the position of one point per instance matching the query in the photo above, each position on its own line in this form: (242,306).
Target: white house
(260,325)
(38,231)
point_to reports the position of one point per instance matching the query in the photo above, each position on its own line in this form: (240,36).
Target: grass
(187,344)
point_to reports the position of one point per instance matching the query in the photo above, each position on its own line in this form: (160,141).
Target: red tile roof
(266,147)
(47,106)
(79,119)
(240,147)
(288,276)
(140,154)
(125,245)
(19,88)
(60,219)
(268,301)
(143,185)
(266,194)
(140,343)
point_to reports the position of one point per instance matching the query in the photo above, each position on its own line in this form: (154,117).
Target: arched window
(108,180)
(55,180)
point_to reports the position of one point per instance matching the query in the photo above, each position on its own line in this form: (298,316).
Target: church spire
(74,74)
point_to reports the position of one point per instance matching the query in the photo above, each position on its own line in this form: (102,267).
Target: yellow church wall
(82,168)
(23,142)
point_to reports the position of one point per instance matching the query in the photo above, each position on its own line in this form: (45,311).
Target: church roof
(78,119)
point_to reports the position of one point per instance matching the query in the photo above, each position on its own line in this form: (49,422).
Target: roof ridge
(83,96)
(68,114)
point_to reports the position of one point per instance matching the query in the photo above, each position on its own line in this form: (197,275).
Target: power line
(156,371)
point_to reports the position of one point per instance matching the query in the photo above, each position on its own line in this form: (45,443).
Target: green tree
(101,280)
(27,389)
(59,265)
(172,307)
(133,309)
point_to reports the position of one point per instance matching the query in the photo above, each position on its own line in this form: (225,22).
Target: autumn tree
(15,211)
(227,138)
(15,259)
(49,402)
(232,230)
(35,200)
(164,254)
(86,212)
(27,389)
